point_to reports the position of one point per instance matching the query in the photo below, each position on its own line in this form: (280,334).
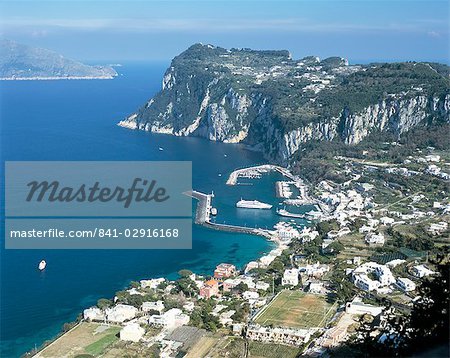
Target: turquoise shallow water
(75,120)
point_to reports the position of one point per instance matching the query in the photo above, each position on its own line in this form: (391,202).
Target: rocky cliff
(276,104)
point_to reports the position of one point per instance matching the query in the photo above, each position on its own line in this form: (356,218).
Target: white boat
(161,149)
(213,211)
(42,265)
(252,204)
(283,212)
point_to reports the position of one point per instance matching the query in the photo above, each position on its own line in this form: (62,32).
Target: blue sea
(76,120)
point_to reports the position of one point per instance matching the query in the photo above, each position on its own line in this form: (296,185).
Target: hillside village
(369,246)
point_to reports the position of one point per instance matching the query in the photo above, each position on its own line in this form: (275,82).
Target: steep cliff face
(276,104)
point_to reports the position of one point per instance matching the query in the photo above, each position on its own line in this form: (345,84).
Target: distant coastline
(52,78)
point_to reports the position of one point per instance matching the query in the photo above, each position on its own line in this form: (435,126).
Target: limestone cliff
(274,103)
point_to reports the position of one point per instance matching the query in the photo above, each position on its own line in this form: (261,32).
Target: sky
(118,31)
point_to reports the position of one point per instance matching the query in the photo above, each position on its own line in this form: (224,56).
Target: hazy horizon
(362,31)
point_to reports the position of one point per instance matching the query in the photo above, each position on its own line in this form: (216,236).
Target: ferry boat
(252,204)
(42,265)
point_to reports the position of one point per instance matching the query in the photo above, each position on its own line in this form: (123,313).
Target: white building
(93,314)
(421,271)
(372,238)
(395,263)
(288,232)
(316,270)
(121,313)
(132,332)
(263,286)
(385,220)
(363,282)
(433,158)
(357,307)
(153,283)
(173,318)
(405,284)
(437,228)
(153,306)
(385,276)
(295,337)
(290,277)
(316,287)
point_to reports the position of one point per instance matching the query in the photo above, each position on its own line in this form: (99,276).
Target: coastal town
(368,246)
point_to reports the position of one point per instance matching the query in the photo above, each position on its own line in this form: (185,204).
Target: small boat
(161,149)
(220,175)
(214,211)
(42,265)
(225,155)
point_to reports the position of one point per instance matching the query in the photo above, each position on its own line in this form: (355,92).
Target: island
(22,62)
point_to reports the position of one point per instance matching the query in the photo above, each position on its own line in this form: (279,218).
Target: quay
(203,217)
(250,172)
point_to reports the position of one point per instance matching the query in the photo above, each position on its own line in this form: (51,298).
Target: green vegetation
(98,347)
(271,350)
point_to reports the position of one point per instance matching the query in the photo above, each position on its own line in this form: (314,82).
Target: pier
(255,172)
(203,217)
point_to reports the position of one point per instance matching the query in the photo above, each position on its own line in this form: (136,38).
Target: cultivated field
(296,309)
(86,338)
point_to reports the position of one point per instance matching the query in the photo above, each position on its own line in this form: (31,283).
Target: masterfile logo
(84,205)
(140,190)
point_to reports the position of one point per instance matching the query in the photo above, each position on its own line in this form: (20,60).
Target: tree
(429,319)
(185,273)
(103,303)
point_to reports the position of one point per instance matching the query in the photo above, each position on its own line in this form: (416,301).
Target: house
(288,233)
(433,158)
(250,295)
(405,284)
(384,275)
(153,306)
(121,313)
(290,336)
(421,271)
(229,284)
(316,287)
(132,332)
(395,263)
(209,289)
(385,220)
(363,282)
(173,318)
(372,238)
(225,317)
(358,307)
(153,283)
(290,277)
(250,266)
(263,286)
(315,270)
(437,228)
(93,314)
(224,271)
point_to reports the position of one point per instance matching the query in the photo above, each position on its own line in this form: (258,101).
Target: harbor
(257,171)
(203,217)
